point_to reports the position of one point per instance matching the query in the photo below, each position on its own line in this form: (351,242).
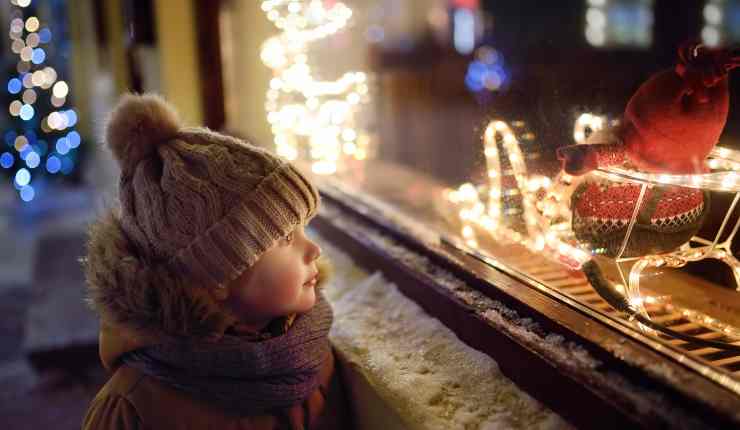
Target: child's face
(280,283)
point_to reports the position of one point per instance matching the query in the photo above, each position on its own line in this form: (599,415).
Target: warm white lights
(547,214)
(711,34)
(540,234)
(310,118)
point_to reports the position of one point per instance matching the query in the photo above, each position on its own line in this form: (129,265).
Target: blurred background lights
(22,177)
(7,160)
(619,23)
(62,146)
(17,46)
(33,40)
(37,78)
(720,22)
(74,139)
(486,72)
(710,35)
(26,53)
(14,86)
(53,164)
(712,14)
(15,107)
(464,30)
(20,143)
(25,152)
(32,24)
(36,82)
(33,160)
(45,35)
(26,112)
(60,89)
(29,96)
(27,193)
(38,56)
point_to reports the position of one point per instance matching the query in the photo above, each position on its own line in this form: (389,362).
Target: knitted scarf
(242,376)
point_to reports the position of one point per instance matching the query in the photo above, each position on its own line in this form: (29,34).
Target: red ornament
(672,122)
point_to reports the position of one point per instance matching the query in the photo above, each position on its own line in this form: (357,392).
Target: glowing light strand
(312,119)
(548,221)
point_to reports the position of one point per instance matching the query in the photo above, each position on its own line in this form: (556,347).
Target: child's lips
(312,282)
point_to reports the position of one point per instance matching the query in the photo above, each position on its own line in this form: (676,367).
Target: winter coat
(133,400)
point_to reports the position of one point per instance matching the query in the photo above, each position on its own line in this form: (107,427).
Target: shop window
(448,115)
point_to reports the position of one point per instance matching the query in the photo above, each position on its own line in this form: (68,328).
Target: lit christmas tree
(41,141)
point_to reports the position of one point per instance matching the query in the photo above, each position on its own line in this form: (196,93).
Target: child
(206,285)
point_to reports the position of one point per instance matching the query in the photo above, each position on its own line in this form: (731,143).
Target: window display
(587,148)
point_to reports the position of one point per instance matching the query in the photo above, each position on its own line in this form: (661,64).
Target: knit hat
(199,203)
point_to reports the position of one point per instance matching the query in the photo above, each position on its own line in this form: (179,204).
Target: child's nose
(313,252)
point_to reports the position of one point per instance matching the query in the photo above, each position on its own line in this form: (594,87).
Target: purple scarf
(242,376)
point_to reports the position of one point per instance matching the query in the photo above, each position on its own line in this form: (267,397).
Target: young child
(206,285)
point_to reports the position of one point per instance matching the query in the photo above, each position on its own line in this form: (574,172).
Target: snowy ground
(416,365)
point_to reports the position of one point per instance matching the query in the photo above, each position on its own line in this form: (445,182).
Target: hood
(114,341)
(139,305)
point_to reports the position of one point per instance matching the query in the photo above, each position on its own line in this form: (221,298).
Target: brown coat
(132,400)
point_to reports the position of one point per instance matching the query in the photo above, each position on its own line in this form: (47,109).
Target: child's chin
(308,299)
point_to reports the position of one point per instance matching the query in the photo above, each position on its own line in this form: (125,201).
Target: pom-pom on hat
(138,125)
(196,202)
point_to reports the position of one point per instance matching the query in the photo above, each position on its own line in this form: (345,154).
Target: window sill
(580,366)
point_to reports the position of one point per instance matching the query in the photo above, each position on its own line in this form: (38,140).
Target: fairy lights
(585,124)
(312,119)
(541,233)
(547,215)
(31,152)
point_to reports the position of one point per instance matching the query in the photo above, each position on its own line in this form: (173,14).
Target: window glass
(451,113)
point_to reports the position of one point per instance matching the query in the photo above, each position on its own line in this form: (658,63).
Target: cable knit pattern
(206,204)
(197,208)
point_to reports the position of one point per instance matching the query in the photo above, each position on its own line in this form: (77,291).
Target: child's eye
(288,239)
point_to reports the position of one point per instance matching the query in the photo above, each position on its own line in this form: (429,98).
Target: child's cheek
(286,284)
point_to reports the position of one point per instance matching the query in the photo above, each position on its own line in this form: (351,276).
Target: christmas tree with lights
(41,141)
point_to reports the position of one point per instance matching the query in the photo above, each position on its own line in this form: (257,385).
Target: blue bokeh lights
(45,35)
(7,160)
(14,86)
(27,112)
(33,160)
(38,56)
(53,164)
(487,71)
(27,193)
(73,138)
(62,145)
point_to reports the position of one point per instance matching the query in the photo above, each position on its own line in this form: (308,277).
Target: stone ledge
(405,369)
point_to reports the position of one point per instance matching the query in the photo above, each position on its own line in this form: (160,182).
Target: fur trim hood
(144,299)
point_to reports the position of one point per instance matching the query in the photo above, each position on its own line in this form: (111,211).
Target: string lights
(543,232)
(548,216)
(312,119)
